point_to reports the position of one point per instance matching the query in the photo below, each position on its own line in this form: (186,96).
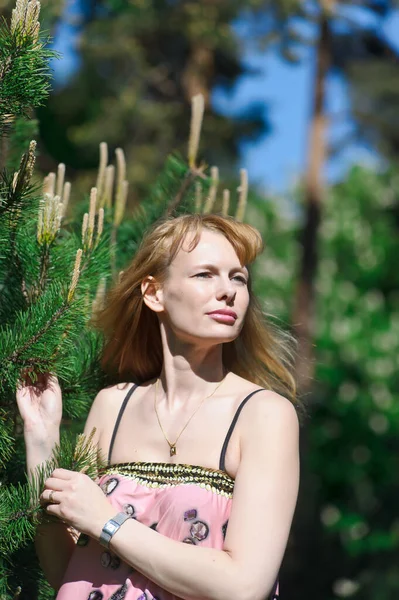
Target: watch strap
(111,527)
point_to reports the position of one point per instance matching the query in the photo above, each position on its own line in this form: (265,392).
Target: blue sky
(277,160)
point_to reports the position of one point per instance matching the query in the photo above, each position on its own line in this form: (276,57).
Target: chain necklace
(172,447)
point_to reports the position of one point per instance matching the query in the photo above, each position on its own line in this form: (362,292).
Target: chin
(218,334)
(218,338)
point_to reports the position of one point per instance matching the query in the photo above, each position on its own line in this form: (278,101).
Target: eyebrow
(210,266)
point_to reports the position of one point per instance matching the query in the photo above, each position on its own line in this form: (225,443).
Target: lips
(224,312)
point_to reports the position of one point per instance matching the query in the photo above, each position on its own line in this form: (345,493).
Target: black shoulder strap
(231,428)
(118,420)
(275,593)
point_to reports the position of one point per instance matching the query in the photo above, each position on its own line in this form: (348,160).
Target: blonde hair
(262,353)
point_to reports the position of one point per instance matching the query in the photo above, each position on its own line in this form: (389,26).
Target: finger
(50,497)
(52,378)
(52,483)
(53,509)
(63,474)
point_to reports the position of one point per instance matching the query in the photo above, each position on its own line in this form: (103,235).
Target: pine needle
(75,275)
(20,508)
(210,201)
(101,172)
(226,202)
(198,197)
(197,115)
(60,179)
(243,191)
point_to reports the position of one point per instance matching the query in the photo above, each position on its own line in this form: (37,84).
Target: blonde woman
(201,434)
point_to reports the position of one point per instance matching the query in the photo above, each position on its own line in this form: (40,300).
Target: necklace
(172,447)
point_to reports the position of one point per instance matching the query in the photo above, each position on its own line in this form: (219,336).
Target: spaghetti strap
(231,428)
(275,591)
(118,420)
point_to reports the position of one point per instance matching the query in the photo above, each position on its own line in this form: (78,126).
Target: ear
(151,291)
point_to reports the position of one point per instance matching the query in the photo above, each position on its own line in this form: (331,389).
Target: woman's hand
(78,501)
(40,406)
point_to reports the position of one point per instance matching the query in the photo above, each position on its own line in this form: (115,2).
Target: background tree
(345,540)
(373,70)
(343,41)
(140,65)
(53,275)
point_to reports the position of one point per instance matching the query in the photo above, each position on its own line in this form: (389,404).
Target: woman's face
(205,295)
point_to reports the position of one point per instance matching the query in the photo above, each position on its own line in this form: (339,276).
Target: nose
(226,291)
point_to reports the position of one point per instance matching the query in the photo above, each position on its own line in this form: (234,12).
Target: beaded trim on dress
(162,475)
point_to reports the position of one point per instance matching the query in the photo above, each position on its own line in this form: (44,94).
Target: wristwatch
(111,527)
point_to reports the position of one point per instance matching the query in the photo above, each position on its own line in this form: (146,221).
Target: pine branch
(32,342)
(20,508)
(24,64)
(16,355)
(189,178)
(16,198)
(6,440)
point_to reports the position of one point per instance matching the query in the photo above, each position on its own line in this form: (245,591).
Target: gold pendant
(173,450)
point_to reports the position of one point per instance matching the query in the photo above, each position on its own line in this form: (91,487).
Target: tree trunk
(304,302)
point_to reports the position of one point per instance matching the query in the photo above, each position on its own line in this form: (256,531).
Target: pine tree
(138,66)
(54,272)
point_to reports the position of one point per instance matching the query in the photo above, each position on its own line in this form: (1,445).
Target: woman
(210,413)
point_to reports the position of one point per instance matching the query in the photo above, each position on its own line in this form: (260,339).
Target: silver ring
(50,498)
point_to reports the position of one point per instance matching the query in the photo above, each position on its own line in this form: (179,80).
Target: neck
(189,371)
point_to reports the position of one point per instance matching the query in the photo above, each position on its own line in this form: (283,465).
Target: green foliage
(375,97)
(358,418)
(350,462)
(45,306)
(52,270)
(21,511)
(6,439)
(173,193)
(42,317)
(22,132)
(141,63)
(24,64)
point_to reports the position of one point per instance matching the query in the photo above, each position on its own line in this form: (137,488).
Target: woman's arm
(54,542)
(264,500)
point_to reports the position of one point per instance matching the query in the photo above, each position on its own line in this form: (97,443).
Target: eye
(241,279)
(203,275)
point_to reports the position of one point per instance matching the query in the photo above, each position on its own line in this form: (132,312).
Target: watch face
(111,527)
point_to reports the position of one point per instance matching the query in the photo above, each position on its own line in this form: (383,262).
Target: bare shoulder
(110,396)
(268,411)
(106,406)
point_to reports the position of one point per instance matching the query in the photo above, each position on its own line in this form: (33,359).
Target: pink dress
(187,503)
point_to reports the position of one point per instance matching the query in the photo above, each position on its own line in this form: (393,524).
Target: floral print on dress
(110,560)
(96,595)
(115,562)
(109,486)
(119,594)
(224,529)
(105,559)
(83,540)
(191,514)
(177,500)
(129,510)
(199,530)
